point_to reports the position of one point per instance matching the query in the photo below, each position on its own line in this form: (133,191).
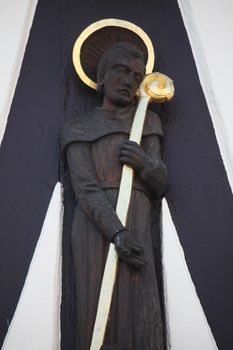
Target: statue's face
(122,80)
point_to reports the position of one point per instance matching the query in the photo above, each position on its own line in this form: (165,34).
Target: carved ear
(100,87)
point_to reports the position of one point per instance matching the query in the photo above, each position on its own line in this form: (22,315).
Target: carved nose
(127,84)
(128,81)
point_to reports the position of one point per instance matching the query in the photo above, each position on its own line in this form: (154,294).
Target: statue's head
(119,74)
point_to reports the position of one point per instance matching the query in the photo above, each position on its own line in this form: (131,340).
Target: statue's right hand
(128,250)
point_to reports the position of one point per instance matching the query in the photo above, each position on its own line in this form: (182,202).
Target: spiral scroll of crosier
(155,87)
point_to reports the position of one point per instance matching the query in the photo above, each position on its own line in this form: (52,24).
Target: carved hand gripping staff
(156,87)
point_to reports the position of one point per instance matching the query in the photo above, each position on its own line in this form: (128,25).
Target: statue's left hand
(128,250)
(133,155)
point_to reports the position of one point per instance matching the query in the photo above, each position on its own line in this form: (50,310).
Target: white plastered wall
(15,22)
(209,26)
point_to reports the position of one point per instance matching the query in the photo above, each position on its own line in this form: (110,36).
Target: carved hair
(117,50)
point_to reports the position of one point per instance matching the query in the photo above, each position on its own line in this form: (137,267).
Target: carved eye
(121,69)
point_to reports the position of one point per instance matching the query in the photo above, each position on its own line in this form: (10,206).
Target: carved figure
(95,147)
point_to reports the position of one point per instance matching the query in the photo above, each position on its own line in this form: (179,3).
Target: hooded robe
(91,145)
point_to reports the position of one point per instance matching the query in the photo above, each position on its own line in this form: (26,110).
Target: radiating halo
(99,37)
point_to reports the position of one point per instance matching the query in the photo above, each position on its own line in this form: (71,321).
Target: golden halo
(101,35)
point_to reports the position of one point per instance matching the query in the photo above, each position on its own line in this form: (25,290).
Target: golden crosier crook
(155,87)
(158,86)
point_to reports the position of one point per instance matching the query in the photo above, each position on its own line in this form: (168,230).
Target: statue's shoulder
(153,124)
(78,120)
(75,128)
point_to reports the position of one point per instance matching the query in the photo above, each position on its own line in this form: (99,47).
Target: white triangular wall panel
(36,322)
(188,328)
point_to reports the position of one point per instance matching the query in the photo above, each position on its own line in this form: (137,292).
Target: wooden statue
(95,147)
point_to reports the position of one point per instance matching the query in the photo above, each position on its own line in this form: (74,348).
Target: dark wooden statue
(95,146)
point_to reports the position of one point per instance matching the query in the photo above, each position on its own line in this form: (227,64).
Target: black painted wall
(199,195)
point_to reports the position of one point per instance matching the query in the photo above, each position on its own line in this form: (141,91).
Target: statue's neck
(107,106)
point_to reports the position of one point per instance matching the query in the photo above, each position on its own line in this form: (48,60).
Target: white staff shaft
(123,202)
